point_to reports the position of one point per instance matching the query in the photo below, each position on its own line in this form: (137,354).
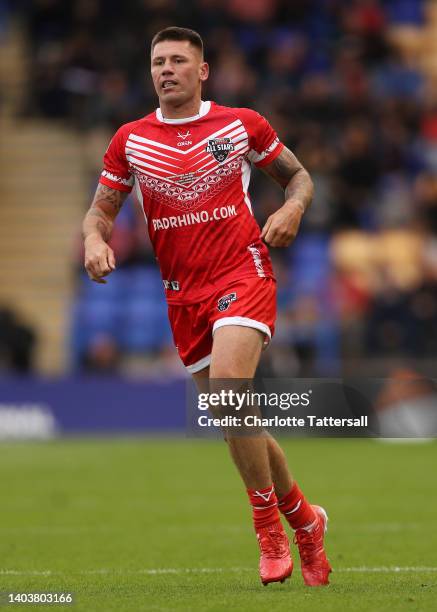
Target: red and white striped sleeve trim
(116,182)
(266,156)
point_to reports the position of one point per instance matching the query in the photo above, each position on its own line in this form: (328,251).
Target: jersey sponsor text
(203,216)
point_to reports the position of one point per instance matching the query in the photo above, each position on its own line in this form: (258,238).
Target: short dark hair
(175,33)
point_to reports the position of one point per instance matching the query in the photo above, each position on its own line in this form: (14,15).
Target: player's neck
(183,111)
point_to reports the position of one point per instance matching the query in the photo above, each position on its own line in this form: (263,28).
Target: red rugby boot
(275,564)
(314,563)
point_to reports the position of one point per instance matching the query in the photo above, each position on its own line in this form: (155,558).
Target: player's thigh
(236,351)
(201,380)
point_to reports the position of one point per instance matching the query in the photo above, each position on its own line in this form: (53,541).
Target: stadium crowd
(345,90)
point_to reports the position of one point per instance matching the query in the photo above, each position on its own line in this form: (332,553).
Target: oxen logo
(183,137)
(220,148)
(224,302)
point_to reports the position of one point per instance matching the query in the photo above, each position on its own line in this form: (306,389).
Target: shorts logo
(224,302)
(171,285)
(220,148)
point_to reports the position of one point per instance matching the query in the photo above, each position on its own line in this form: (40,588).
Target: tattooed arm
(281,228)
(97,228)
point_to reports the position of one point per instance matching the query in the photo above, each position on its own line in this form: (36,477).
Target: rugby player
(189,163)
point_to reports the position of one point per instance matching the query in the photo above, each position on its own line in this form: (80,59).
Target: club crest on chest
(220,148)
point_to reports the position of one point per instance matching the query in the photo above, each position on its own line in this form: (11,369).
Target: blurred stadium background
(351,87)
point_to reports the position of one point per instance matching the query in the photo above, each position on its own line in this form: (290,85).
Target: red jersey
(191,177)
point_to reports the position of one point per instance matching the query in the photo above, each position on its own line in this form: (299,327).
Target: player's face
(177,70)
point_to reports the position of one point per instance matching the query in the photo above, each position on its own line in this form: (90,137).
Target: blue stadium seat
(144,326)
(114,288)
(145,281)
(98,316)
(311,265)
(89,319)
(405,12)
(130,307)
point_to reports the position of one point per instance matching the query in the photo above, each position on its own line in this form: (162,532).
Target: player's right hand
(99,259)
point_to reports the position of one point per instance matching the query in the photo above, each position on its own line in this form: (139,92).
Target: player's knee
(224,371)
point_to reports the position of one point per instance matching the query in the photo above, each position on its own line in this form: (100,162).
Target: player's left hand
(281,228)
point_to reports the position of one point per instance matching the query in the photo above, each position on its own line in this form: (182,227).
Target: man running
(189,163)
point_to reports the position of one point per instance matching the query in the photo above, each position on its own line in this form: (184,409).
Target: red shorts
(250,302)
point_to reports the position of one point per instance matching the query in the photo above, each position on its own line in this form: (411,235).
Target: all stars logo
(220,148)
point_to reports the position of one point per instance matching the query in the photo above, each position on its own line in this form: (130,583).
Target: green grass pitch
(161,524)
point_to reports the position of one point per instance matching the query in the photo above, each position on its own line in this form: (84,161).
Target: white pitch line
(382,570)
(208,570)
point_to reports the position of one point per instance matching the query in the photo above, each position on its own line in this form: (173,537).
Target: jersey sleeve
(115,173)
(264,144)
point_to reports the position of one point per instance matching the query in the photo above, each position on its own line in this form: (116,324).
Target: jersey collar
(203,110)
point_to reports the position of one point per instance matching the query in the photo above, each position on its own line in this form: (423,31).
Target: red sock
(296,509)
(264,505)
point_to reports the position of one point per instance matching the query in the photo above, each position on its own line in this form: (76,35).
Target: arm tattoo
(97,220)
(292,177)
(110,200)
(100,217)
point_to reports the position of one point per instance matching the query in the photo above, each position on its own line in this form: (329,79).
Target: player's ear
(204,71)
